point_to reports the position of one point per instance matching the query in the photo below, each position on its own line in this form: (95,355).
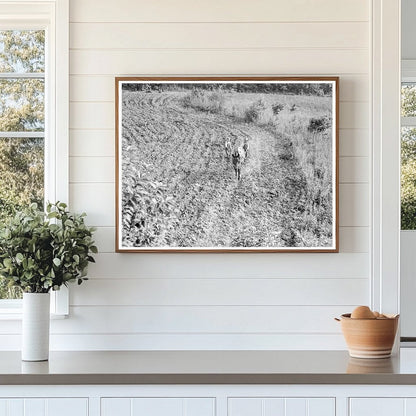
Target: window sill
(11,309)
(13,315)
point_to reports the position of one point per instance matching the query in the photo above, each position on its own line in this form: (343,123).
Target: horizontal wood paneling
(93,143)
(92,88)
(101,88)
(87,115)
(105,239)
(232,265)
(202,319)
(354,169)
(354,208)
(354,142)
(221,62)
(352,239)
(96,199)
(218,11)
(354,115)
(220,35)
(220,291)
(166,341)
(287,297)
(194,320)
(92,115)
(90,169)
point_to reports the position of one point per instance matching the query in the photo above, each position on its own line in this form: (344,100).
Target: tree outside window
(22,124)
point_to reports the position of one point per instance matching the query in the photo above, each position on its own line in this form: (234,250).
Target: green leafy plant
(43,251)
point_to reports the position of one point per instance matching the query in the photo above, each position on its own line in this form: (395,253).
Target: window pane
(21,182)
(7,292)
(408,99)
(22,51)
(21,173)
(22,104)
(408,178)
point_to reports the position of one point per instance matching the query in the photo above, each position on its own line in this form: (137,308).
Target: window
(408,155)
(22,124)
(33,113)
(408,201)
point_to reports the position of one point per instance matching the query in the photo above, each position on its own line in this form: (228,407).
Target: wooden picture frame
(227,164)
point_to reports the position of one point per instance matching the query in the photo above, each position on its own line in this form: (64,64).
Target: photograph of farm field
(226,165)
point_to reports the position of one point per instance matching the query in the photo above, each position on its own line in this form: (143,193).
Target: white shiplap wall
(218,301)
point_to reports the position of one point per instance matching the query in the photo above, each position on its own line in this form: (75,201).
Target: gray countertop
(207,367)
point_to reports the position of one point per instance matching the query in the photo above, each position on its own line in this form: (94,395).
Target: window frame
(53,17)
(385,156)
(408,76)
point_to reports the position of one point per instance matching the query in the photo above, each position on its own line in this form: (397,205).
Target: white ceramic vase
(35,326)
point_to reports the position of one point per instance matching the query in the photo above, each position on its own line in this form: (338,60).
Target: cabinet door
(160,406)
(44,407)
(268,406)
(382,407)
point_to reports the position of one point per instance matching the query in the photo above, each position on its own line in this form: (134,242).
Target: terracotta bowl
(369,338)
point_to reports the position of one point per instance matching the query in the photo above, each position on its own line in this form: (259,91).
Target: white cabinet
(208,400)
(146,406)
(44,407)
(382,406)
(281,406)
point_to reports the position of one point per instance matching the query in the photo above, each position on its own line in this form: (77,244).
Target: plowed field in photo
(180,188)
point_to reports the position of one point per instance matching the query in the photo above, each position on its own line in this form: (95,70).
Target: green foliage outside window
(21,110)
(408,179)
(408,160)
(408,105)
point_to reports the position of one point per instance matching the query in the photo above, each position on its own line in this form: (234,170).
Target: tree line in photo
(290,88)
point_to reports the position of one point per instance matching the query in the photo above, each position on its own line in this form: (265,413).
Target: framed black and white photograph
(227,164)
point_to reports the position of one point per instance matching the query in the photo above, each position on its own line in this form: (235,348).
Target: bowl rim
(388,318)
